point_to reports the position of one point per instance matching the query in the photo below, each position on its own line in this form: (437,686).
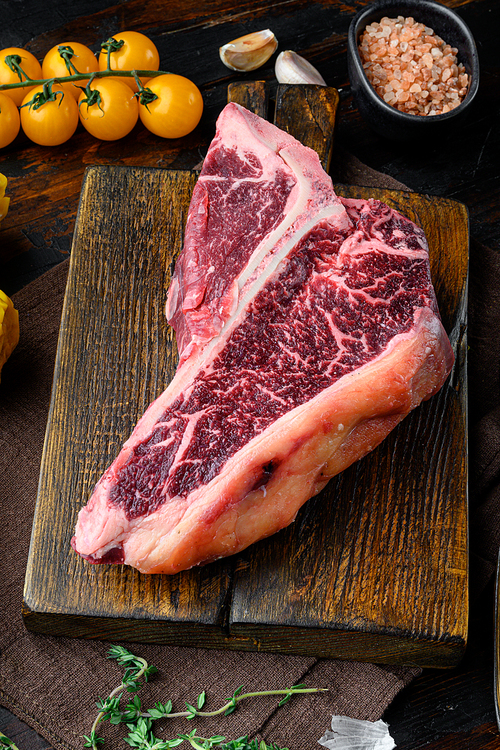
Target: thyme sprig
(140,722)
(5,742)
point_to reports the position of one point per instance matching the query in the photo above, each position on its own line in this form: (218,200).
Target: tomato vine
(120,59)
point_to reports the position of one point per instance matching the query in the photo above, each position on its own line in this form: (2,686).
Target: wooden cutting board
(374,568)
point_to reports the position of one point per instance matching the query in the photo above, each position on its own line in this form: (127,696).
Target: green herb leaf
(191,711)
(92,740)
(120,654)
(7,742)
(140,723)
(201,699)
(161,710)
(148,672)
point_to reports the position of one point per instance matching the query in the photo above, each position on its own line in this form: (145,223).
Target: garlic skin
(292,68)
(249,52)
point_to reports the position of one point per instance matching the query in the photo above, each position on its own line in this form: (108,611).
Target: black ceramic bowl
(382,117)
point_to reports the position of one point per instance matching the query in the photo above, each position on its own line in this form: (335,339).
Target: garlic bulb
(250,51)
(292,68)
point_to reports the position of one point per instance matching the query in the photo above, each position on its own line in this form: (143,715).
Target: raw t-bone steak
(307,328)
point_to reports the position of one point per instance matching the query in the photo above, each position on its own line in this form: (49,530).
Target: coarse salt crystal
(415,62)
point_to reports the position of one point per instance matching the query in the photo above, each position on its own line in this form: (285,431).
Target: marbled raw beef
(307,329)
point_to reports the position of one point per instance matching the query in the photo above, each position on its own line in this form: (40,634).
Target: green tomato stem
(83,76)
(13,62)
(67,53)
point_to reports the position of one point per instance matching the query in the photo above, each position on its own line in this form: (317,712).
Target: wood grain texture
(252,95)
(316,126)
(374,568)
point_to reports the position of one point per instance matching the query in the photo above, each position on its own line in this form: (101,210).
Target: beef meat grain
(307,328)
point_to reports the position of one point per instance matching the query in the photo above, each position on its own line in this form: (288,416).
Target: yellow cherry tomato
(9,120)
(129,50)
(177,109)
(66,60)
(110,111)
(51,123)
(27,63)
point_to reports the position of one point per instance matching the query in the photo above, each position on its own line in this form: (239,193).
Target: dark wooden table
(441,709)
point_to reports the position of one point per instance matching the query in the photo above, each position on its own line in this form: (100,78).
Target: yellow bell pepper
(9,328)
(4,201)
(9,317)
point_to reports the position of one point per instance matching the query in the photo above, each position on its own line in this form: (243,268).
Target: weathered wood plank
(252,96)
(379,558)
(316,125)
(115,354)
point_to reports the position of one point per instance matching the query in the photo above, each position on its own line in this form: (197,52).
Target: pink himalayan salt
(398,50)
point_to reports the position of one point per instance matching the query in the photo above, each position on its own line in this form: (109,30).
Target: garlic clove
(250,51)
(292,68)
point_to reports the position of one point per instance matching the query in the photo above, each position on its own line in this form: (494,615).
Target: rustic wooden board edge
(388,648)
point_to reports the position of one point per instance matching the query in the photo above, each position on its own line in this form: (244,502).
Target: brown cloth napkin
(52,683)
